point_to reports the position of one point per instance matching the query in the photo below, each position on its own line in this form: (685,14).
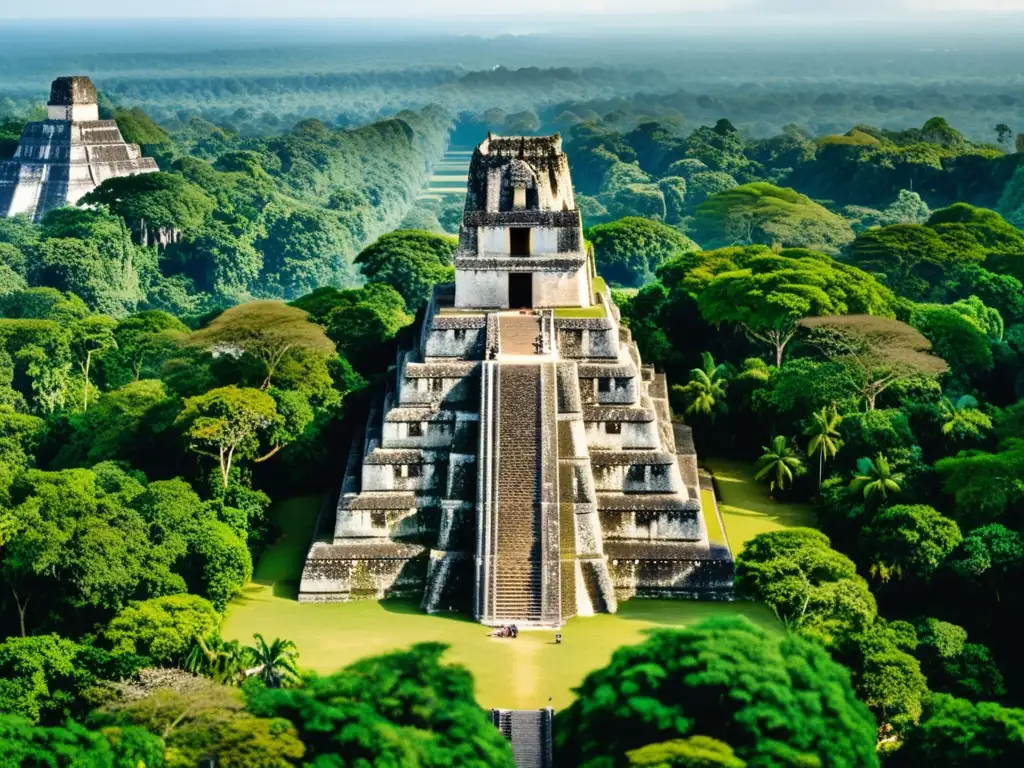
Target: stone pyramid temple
(523,464)
(67,155)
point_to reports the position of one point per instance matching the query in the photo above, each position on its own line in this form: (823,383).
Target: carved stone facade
(66,156)
(522,464)
(521,243)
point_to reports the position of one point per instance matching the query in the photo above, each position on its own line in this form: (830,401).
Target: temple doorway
(520,289)
(519,241)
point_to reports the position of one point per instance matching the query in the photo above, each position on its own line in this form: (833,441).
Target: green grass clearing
(519,673)
(281,565)
(745,506)
(716,535)
(595,310)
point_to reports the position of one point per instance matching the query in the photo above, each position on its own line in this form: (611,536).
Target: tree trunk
(225,468)
(22,608)
(176,722)
(88,361)
(267,455)
(821,467)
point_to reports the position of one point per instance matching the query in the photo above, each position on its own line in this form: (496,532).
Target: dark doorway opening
(519,241)
(520,289)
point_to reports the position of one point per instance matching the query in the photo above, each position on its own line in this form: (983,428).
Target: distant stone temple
(67,155)
(523,464)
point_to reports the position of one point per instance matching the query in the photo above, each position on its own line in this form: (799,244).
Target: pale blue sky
(823,10)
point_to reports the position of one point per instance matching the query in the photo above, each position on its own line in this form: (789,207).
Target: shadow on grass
(781,513)
(251,593)
(686,613)
(409,607)
(288,589)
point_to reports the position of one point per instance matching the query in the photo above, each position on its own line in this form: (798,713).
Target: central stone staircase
(518,562)
(518,535)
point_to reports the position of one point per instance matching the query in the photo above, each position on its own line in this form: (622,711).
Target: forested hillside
(228,218)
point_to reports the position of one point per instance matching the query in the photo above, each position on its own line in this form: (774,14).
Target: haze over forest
(822,69)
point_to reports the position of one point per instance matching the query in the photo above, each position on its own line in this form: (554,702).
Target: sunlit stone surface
(67,155)
(522,464)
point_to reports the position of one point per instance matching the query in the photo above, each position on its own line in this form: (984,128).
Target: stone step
(515,579)
(519,334)
(530,732)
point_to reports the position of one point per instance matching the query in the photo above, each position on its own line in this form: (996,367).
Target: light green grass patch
(746,508)
(716,534)
(521,673)
(595,310)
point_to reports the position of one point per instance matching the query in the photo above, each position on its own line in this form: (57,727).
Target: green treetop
(774,698)
(763,213)
(766,294)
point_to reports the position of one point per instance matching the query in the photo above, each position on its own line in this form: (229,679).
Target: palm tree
(274,663)
(218,659)
(875,478)
(824,433)
(706,388)
(961,418)
(780,464)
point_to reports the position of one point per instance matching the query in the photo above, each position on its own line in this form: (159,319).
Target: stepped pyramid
(523,463)
(67,155)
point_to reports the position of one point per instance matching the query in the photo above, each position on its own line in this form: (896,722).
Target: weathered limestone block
(66,156)
(523,464)
(340,572)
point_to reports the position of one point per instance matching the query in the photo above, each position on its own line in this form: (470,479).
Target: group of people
(511,630)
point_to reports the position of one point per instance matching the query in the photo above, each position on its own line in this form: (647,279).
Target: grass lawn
(746,507)
(715,533)
(595,310)
(519,673)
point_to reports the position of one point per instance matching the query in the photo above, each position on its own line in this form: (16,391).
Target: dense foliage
(770,697)
(841,307)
